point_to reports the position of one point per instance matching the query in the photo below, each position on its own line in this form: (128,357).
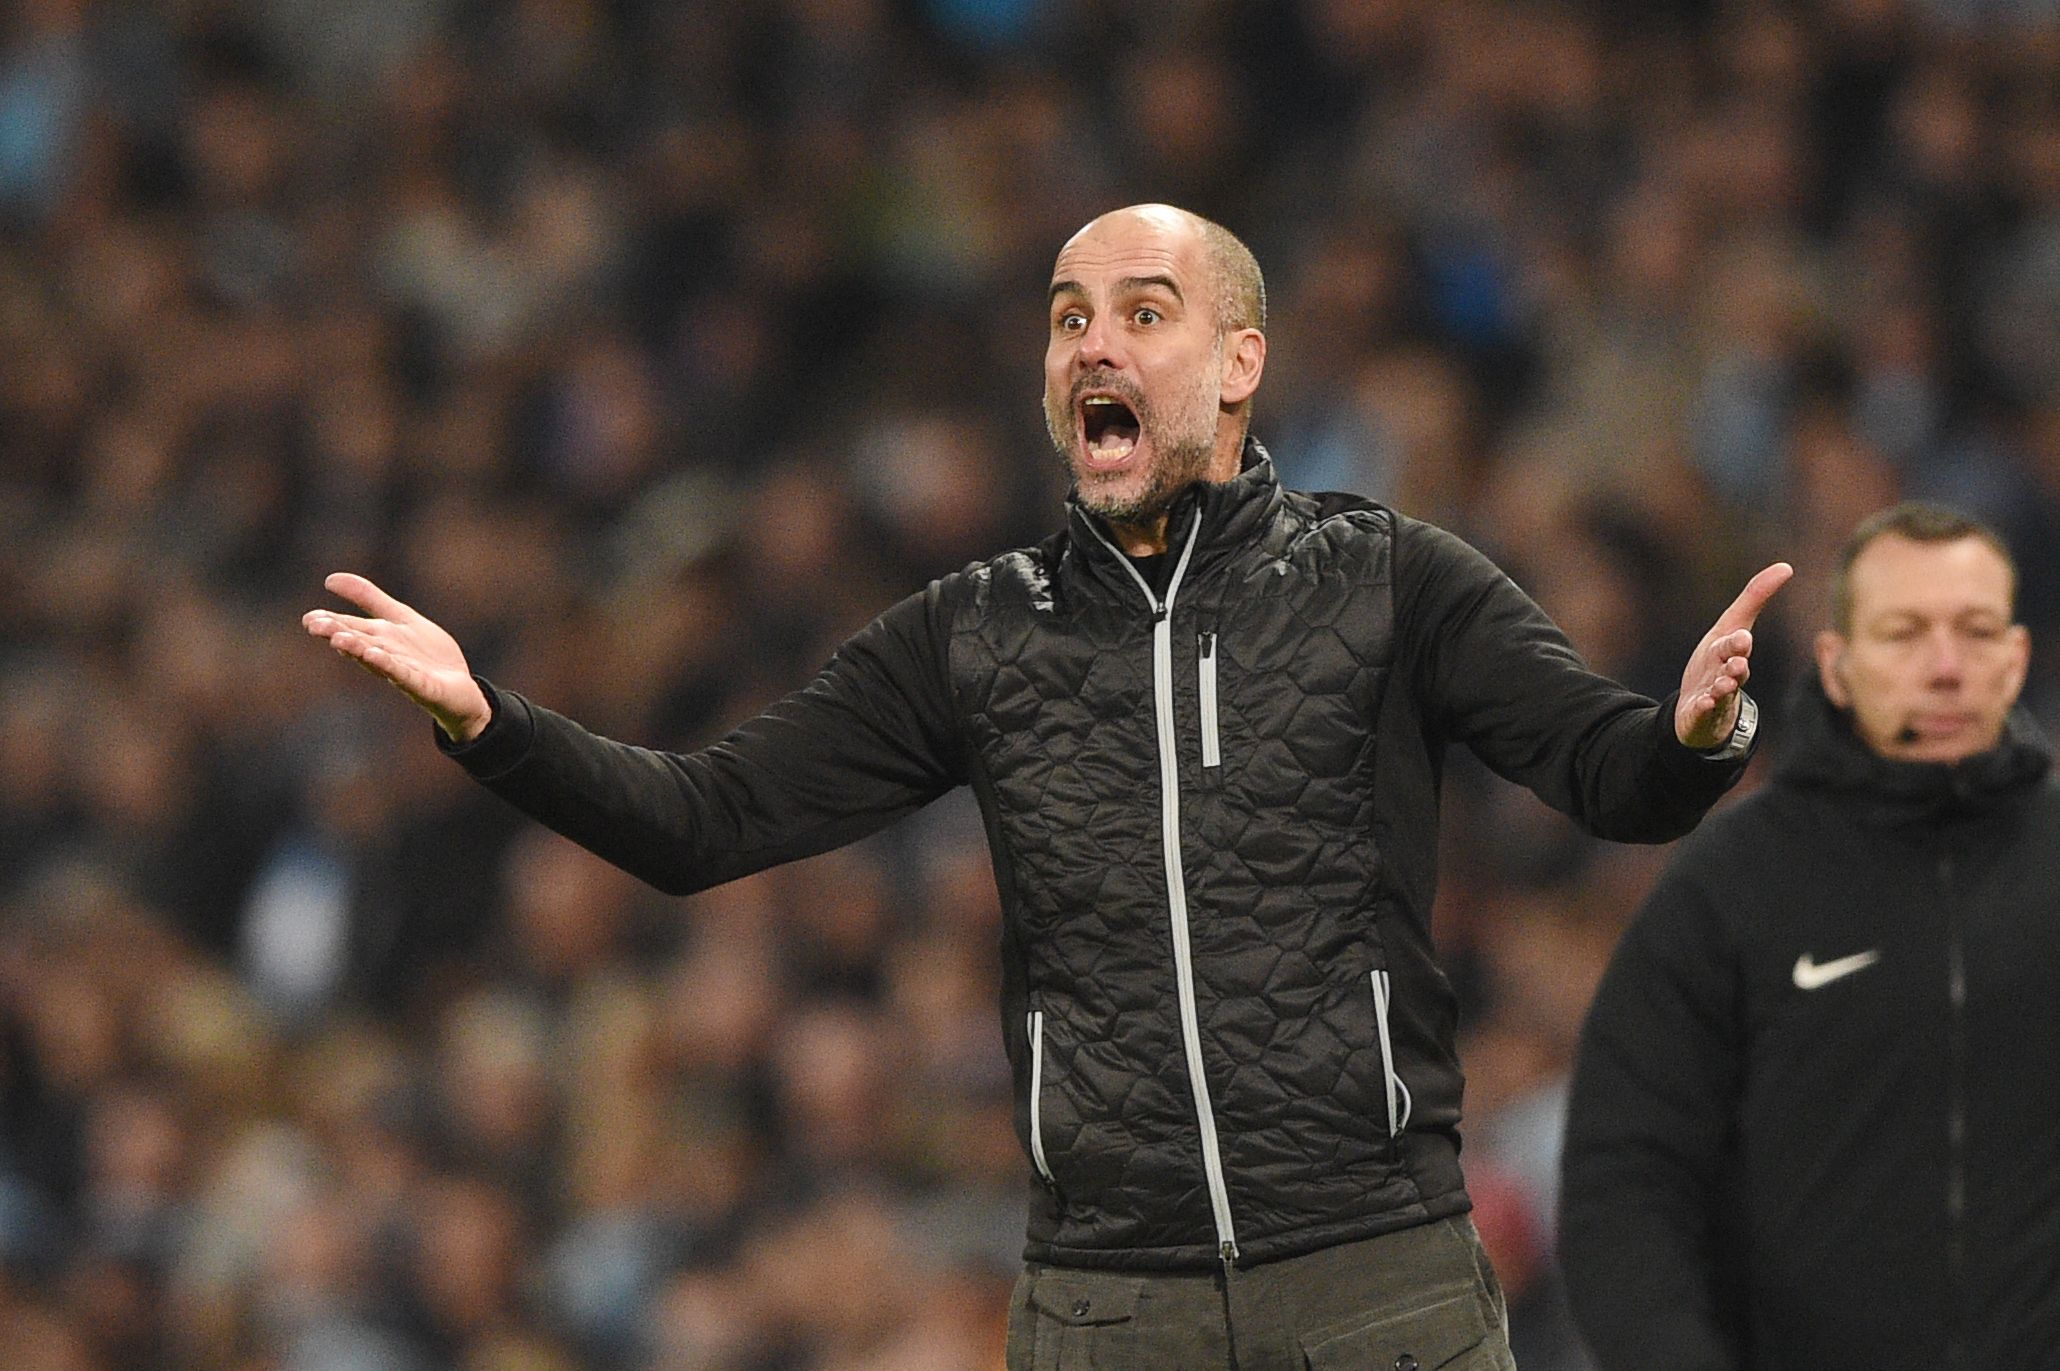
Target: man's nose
(1100,346)
(1948,661)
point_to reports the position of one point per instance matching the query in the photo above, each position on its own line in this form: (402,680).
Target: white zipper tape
(1176,882)
(1037,1095)
(1399,1101)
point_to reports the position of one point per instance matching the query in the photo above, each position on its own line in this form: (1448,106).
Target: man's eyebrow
(1127,285)
(1165,283)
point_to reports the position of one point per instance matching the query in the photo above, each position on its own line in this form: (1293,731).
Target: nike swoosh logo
(1813,975)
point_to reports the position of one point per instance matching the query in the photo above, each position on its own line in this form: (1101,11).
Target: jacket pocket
(1212,751)
(1037,1158)
(1439,1335)
(1397,1093)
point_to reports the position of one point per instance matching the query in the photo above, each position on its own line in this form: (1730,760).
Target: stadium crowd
(653,347)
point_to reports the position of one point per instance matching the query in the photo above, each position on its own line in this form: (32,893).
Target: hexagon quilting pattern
(1052,666)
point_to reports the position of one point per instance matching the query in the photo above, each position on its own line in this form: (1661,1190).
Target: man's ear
(2019,639)
(1244,359)
(1831,668)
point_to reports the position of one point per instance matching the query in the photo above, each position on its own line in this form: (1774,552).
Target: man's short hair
(1240,288)
(1920,521)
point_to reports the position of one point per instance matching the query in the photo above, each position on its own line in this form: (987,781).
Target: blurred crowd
(652,346)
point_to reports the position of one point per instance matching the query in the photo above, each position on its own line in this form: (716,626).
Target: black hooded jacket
(1212,809)
(1816,1115)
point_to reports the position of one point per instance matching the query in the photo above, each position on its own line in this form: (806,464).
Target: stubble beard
(1178,460)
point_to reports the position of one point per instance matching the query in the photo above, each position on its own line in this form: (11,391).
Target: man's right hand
(405,650)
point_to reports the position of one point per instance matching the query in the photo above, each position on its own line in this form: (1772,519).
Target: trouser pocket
(1422,1299)
(1446,1332)
(1073,1321)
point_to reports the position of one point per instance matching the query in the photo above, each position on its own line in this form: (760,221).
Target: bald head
(1153,356)
(1237,289)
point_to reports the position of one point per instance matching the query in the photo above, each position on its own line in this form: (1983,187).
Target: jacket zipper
(1400,1105)
(1176,883)
(1212,754)
(1956,1118)
(1037,1097)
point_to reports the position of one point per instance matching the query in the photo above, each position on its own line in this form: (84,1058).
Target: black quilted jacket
(1212,810)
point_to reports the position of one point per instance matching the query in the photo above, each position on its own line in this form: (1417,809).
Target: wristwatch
(1740,742)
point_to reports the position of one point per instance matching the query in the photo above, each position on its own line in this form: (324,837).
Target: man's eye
(1148,315)
(1072,321)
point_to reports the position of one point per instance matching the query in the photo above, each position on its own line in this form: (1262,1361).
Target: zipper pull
(1159,612)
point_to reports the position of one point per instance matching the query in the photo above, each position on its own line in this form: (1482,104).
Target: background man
(1232,1047)
(1813,1115)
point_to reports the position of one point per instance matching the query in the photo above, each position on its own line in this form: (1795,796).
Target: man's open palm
(402,647)
(1720,665)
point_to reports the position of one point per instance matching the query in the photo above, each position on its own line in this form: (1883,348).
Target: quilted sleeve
(1493,671)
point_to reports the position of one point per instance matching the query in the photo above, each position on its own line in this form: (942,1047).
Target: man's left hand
(1720,665)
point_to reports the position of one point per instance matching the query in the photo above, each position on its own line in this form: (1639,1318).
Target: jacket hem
(1252,1251)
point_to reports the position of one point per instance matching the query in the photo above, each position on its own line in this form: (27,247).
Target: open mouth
(1108,429)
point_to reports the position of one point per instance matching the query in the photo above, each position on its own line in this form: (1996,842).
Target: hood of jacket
(1822,752)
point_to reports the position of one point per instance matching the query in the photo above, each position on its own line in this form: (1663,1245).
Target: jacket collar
(1233,514)
(1823,753)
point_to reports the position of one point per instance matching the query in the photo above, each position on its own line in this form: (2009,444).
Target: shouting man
(1205,723)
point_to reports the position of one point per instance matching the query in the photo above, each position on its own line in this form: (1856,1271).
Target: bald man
(1204,722)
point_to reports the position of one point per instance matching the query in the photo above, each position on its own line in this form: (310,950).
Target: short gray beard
(1180,464)
(1178,468)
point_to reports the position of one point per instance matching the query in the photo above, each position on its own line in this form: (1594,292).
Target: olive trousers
(1421,1299)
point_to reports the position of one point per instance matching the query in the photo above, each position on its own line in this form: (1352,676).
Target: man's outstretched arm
(1498,675)
(870,739)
